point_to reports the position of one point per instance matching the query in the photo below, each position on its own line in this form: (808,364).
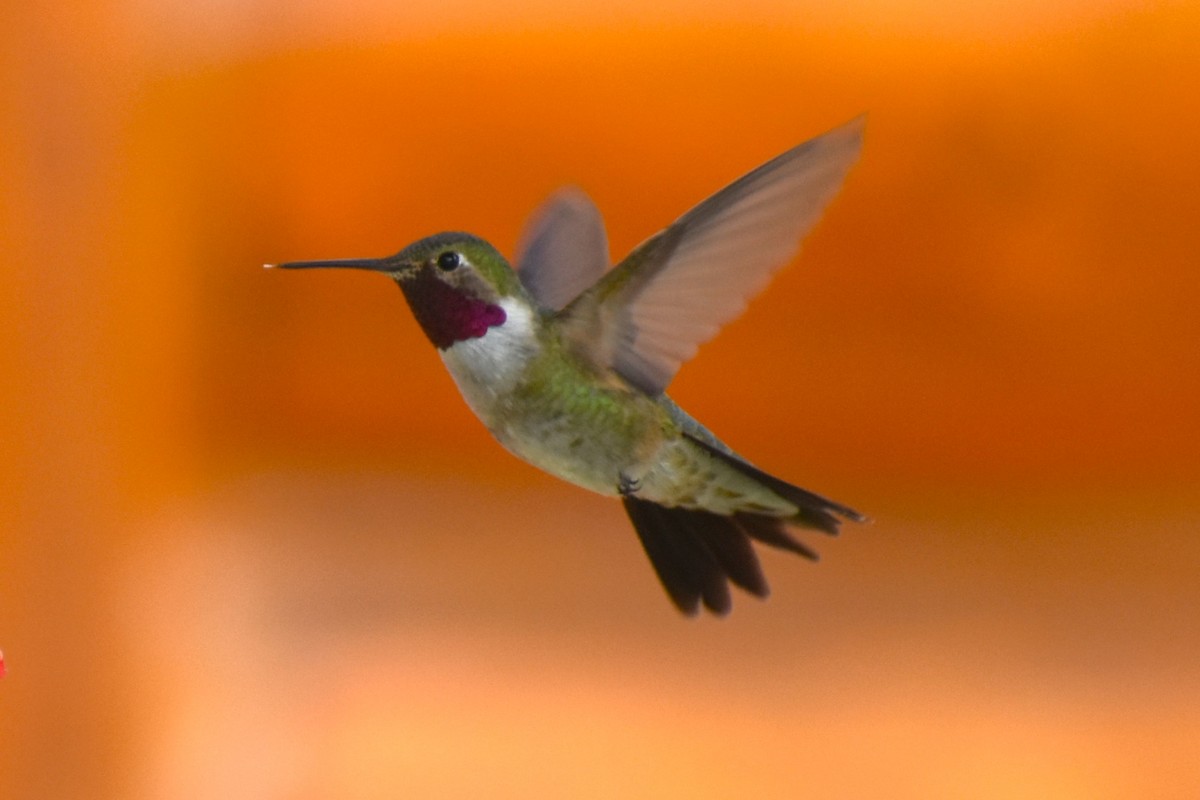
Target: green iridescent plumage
(566,364)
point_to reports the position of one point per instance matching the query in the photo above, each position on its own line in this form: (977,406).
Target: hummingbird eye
(448,261)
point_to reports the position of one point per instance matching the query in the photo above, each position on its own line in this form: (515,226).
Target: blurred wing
(674,292)
(564,249)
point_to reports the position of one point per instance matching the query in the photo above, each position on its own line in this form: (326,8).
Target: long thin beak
(373,264)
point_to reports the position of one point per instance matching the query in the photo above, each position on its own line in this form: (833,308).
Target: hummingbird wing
(648,316)
(563,249)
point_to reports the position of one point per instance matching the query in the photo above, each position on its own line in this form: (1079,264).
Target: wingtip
(856,124)
(853,131)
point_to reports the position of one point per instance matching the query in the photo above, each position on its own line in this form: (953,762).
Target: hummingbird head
(453,282)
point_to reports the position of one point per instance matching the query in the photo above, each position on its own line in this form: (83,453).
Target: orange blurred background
(254,545)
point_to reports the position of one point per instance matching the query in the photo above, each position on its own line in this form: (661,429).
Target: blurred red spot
(2,668)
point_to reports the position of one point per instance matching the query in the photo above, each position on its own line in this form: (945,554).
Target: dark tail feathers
(697,553)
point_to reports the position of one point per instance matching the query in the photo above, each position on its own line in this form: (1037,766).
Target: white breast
(488,367)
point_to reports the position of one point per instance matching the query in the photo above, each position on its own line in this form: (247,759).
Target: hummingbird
(566,361)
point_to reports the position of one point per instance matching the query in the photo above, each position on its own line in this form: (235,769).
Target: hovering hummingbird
(566,361)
